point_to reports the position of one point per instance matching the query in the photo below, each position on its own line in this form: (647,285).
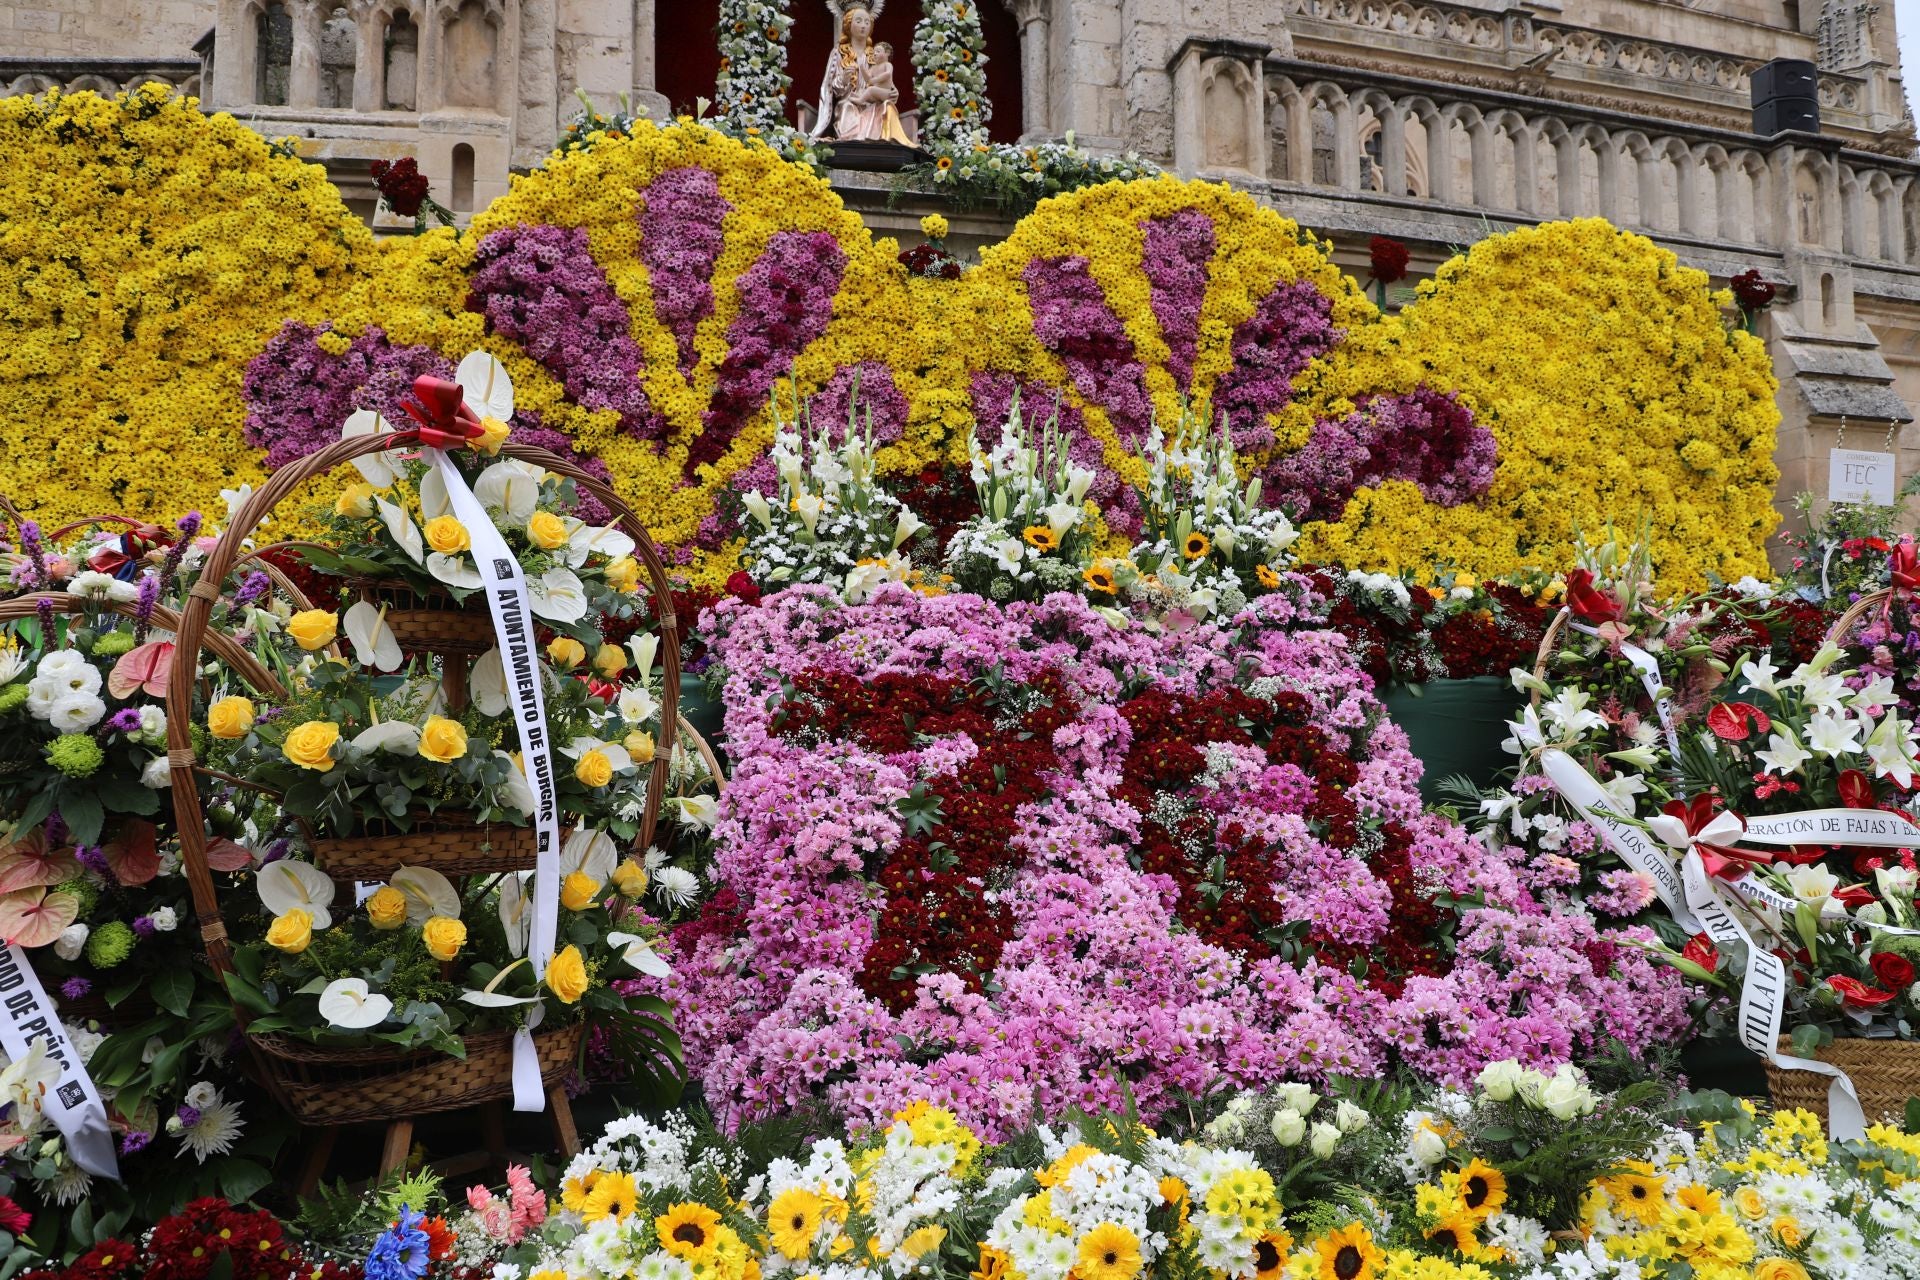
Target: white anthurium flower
(487,684)
(1784,754)
(1876,693)
(1891,747)
(287,885)
(428,893)
(490,996)
(558,596)
(511,486)
(639,955)
(637,705)
(756,504)
(590,851)
(1760,677)
(517,792)
(643,646)
(615,753)
(395,737)
(434,499)
(1061,517)
(485,385)
(699,811)
(349,1004)
(584,540)
(380,470)
(374,644)
(1832,735)
(405,532)
(455,570)
(516,912)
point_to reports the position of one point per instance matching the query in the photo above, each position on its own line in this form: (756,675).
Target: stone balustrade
(102,75)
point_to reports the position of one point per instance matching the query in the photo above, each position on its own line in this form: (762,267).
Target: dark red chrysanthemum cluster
(208,1233)
(401,185)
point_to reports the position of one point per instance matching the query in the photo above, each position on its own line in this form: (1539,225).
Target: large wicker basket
(344,1086)
(430,622)
(1885,1074)
(450,843)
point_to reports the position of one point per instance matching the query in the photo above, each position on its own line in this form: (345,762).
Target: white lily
(349,1004)
(637,705)
(1832,735)
(1784,754)
(616,754)
(287,885)
(643,646)
(639,955)
(1812,885)
(1569,712)
(1760,676)
(585,540)
(25,1083)
(1826,692)
(1891,747)
(1622,788)
(1876,693)
(1527,733)
(558,595)
(380,470)
(1524,681)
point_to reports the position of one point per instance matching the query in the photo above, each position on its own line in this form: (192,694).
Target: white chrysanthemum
(675,886)
(69,1186)
(91,584)
(215,1132)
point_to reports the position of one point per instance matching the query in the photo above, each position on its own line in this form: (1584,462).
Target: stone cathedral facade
(1431,121)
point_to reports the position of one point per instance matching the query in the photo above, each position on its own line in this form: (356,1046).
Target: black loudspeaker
(1786,96)
(1802,115)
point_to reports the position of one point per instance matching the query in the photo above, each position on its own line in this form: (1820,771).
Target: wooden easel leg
(493,1129)
(399,1144)
(563,1130)
(314,1167)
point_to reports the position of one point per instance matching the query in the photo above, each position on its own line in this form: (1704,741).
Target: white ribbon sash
(506,591)
(71,1101)
(1649,668)
(1633,845)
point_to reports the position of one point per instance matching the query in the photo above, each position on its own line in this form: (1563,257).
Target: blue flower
(400,1253)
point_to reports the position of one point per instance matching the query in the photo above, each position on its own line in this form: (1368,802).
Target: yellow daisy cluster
(147,253)
(931,1126)
(1616,390)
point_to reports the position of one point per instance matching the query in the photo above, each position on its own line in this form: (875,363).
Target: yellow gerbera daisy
(614,1196)
(793,1220)
(1109,1252)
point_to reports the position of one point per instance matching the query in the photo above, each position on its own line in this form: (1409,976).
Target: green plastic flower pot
(1455,727)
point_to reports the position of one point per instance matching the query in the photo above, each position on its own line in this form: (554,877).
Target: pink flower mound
(1427,437)
(541,287)
(1074,956)
(1072,319)
(298,395)
(680,239)
(1177,250)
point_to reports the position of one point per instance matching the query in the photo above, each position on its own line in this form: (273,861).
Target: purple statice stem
(143,607)
(189,526)
(37,556)
(254,588)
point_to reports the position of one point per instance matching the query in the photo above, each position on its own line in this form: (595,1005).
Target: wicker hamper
(1885,1074)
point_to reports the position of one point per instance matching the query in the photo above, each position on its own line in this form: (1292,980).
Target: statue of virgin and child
(859,101)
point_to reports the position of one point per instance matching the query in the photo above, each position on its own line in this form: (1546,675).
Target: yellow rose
(1778,1269)
(230,717)
(610,660)
(1751,1204)
(1787,1229)
(442,740)
(623,575)
(387,908)
(493,434)
(355,500)
(593,768)
(447,535)
(547,531)
(444,937)
(639,745)
(630,878)
(567,975)
(577,890)
(313,628)
(565,652)
(291,931)
(311,745)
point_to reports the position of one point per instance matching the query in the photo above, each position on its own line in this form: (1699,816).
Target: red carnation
(1752,291)
(1892,971)
(1701,951)
(1856,994)
(1390,259)
(741,585)
(1737,721)
(1589,603)
(13,1219)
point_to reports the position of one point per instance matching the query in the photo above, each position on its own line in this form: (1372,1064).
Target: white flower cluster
(1194,487)
(950,85)
(1026,541)
(750,93)
(1564,1095)
(65,692)
(832,523)
(1102,1196)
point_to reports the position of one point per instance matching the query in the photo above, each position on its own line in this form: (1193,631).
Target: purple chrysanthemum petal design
(878,398)
(680,238)
(1178,248)
(1073,319)
(1292,326)
(297,395)
(540,286)
(1425,437)
(993,394)
(528,429)
(786,300)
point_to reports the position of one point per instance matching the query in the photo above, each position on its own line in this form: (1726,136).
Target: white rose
(1498,1080)
(1324,1139)
(1428,1147)
(165,920)
(1349,1118)
(1288,1127)
(157,775)
(1296,1097)
(153,721)
(1564,1095)
(72,940)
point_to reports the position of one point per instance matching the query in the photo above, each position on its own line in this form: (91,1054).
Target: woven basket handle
(1549,640)
(1846,622)
(226,648)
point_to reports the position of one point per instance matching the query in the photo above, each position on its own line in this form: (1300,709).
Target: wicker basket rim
(292,1049)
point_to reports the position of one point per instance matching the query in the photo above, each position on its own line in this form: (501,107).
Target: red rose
(1737,721)
(1390,259)
(606,691)
(1895,972)
(1701,951)
(741,585)
(1752,291)
(1856,994)
(1588,603)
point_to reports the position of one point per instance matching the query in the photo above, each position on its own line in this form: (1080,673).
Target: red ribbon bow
(440,407)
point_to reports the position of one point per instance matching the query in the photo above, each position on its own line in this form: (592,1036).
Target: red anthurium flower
(1893,971)
(1701,951)
(1801,855)
(1854,896)
(1856,994)
(440,407)
(1737,721)
(1905,566)
(1856,789)
(1588,602)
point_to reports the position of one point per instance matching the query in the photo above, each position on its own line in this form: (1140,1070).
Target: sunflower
(793,1220)
(1348,1254)
(1481,1189)
(1041,536)
(1637,1193)
(1109,1252)
(1099,578)
(1196,546)
(1456,1232)
(944,163)
(688,1231)
(1268,578)
(1270,1255)
(614,1196)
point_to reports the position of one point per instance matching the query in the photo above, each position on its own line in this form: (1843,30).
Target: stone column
(369,56)
(233,69)
(303,73)
(1036,75)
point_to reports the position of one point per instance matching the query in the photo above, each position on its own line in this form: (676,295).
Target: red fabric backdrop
(688,55)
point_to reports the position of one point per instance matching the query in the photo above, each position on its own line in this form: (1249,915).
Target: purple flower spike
(253,589)
(144,605)
(93,859)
